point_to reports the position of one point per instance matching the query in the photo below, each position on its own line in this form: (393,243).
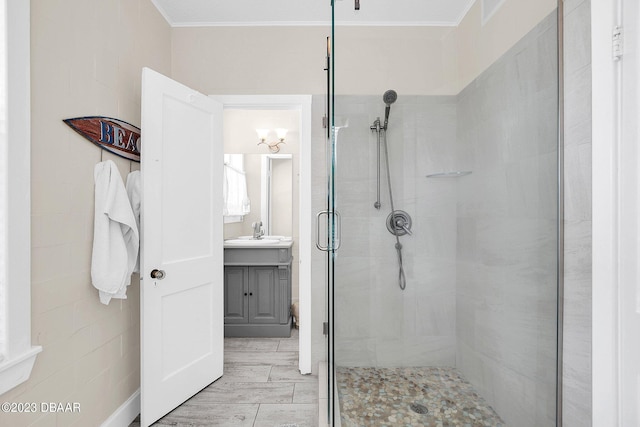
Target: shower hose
(402,281)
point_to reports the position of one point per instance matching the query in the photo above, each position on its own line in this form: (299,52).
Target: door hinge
(325,122)
(325,328)
(617,43)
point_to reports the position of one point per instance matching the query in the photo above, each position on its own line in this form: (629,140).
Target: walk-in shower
(442,297)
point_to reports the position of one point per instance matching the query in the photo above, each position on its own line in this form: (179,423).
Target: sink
(251,242)
(263,238)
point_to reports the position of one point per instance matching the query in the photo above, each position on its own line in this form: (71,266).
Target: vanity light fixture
(274,147)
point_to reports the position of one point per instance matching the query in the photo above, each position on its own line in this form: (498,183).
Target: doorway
(301,103)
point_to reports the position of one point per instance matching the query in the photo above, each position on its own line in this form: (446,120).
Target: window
(16,351)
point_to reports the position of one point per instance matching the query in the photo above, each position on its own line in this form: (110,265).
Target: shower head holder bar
(375,127)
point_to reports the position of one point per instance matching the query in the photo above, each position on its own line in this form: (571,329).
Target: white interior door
(181,313)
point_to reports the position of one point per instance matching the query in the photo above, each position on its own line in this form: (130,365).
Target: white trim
(18,369)
(126,413)
(189,24)
(303,104)
(605,283)
(265,184)
(464,12)
(20,355)
(487,16)
(317,23)
(163,12)
(629,217)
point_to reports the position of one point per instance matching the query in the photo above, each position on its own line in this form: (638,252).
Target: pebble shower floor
(410,397)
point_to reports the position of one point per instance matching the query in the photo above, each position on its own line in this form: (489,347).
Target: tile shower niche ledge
(257,288)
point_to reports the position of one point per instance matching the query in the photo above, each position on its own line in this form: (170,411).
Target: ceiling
(187,13)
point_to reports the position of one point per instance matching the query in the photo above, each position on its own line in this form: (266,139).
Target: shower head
(389,98)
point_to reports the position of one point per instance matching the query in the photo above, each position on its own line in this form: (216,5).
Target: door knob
(158,274)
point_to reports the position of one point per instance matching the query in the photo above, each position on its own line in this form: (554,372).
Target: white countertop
(258,243)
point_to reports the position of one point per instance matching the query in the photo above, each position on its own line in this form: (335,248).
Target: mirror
(269,193)
(276,198)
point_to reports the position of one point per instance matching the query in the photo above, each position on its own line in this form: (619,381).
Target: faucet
(258,232)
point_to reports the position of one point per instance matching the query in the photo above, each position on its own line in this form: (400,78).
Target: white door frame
(611,237)
(301,103)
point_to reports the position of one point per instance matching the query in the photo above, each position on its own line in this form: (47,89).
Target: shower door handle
(338,229)
(318,245)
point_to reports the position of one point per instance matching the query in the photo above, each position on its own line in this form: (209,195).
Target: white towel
(115,235)
(134,191)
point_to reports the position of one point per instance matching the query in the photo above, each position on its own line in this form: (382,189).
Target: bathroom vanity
(257,288)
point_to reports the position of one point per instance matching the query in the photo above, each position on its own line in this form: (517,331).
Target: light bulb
(262,134)
(281,133)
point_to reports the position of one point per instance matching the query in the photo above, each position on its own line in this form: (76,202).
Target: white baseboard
(126,413)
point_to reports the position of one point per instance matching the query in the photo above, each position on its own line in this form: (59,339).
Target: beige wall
(477,46)
(291,60)
(86,59)
(368,60)
(410,60)
(250,60)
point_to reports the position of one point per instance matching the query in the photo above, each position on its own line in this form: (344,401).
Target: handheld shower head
(389,98)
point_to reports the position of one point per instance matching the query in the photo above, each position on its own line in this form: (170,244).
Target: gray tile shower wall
(377,324)
(577,219)
(506,230)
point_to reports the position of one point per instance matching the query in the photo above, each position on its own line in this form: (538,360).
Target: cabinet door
(263,295)
(236,301)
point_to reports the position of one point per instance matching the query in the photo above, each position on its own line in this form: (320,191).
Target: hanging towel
(115,234)
(134,191)
(236,199)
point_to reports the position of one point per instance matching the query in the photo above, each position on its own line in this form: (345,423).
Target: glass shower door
(452,304)
(333,221)
(332,227)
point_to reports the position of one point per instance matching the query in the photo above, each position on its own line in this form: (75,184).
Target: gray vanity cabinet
(263,295)
(257,292)
(236,292)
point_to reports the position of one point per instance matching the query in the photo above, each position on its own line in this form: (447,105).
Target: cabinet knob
(250,293)
(245,294)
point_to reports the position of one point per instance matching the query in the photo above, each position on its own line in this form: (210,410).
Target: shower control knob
(399,223)
(158,274)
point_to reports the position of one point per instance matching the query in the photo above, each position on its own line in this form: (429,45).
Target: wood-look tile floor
(261,387)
